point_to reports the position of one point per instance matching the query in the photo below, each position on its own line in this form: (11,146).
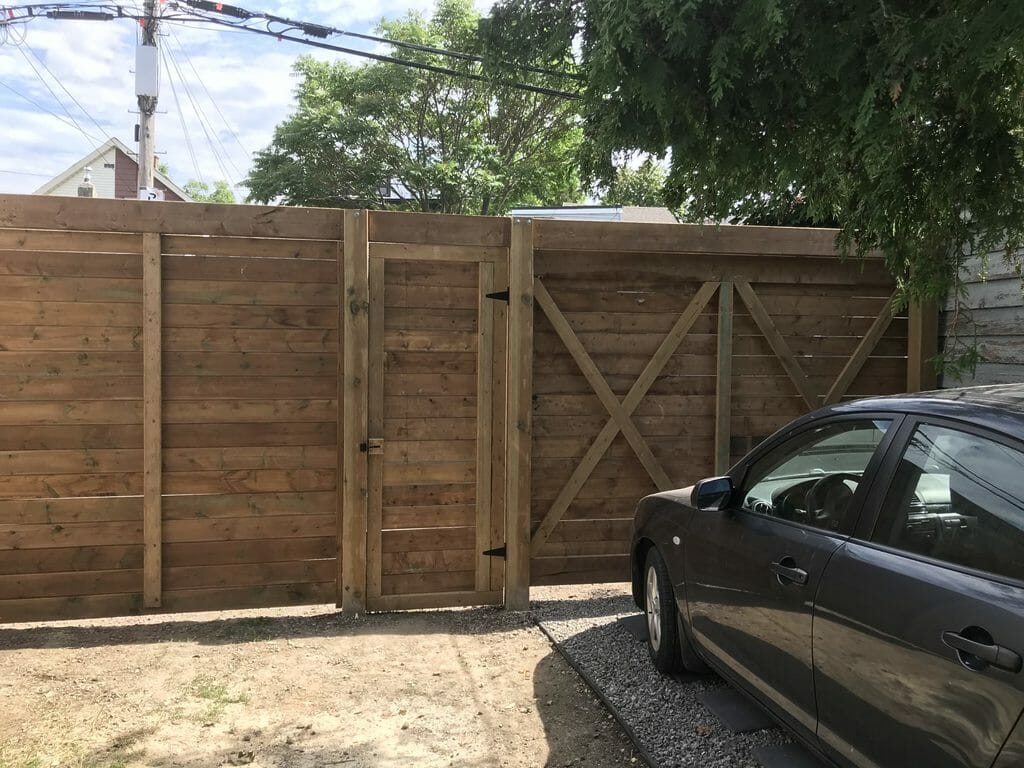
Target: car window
(811,478)
(957,497)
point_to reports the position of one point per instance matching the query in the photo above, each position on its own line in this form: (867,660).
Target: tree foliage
(380,133)
(642,185)
(200,191)
(902,121)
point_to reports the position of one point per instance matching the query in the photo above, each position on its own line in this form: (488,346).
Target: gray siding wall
(993,315)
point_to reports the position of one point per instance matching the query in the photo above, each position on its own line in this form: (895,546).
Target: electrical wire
(184,129)
(200,116)
(39,75)
(48,111)
(192,12)
(28,173)
(199,78)
(26,47)
(319,30)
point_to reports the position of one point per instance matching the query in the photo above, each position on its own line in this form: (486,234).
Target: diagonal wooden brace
(621,413)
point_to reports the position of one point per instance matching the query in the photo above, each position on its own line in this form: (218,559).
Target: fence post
(922,346)
(152,524)
(723,384)
(354,309)
(519,406)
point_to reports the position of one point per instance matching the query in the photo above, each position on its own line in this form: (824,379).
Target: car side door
(919,620)
(751,570)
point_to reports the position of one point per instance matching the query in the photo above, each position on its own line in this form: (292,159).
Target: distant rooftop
(638,214)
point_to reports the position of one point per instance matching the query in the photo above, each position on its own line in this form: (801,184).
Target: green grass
(216,695)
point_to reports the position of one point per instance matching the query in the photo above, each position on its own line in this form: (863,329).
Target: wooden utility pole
(147,88)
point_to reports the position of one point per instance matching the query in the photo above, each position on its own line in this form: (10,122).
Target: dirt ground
(298,688)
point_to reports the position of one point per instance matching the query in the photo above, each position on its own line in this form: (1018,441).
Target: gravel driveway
(668,722)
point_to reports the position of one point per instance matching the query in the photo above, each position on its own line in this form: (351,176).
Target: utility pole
(147,89)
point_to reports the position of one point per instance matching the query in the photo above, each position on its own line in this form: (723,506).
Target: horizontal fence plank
(221,434)
(416,583)
(70,264)
(70,412)
(191,411)
(192,553)
(682,238)
(441,561)
(249,269)
(245,529)
(404,451)
(71,213)
(426,252)
(50,338)
(249,481)
(249,340)
(70,314)
(403,428)
(248,247)
(243,316)
(34,585)
(430,341)
(22,387)
(248,574)
(396,362)
(68,608)
(427,539)
(438,229)
(71,534)
(247,364)
(76,289)
(48,239)
(237,598)
(546,571)
(246,293)
(96,509)
(435,600)
(444,516)
(248,388)
(430,472)
(196,507)
(72,560)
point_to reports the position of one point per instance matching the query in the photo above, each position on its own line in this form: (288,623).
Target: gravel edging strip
(608,704)
(663,716)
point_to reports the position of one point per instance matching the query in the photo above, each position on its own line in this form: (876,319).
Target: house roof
(78,168)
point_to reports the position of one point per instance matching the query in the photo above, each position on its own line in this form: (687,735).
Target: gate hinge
(497,552)
(498,295)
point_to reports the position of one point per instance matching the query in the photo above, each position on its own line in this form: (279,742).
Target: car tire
(660,613)
(667,644)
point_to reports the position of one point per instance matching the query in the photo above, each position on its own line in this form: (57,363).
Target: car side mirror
(711,494)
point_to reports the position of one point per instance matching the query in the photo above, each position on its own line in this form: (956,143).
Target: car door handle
(786,569)
(996,655)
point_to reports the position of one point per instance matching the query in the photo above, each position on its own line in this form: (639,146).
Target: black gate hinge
(501,551)
(498,295)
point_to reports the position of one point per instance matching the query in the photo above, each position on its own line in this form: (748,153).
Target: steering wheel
(828,499)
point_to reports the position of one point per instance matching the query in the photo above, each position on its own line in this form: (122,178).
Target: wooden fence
(213,407)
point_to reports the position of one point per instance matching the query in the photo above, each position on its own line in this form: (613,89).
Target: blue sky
(232,89)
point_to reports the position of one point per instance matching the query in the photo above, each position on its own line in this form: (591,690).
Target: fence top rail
(724,239)
(105,215)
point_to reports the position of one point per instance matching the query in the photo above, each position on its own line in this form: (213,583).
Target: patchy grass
(215,695)
(118,754)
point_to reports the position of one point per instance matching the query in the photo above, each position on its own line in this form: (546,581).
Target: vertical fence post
(354,309)
(723,400)
(519,406)
(152,524)
(922,346)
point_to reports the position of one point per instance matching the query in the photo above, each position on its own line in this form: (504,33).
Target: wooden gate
(435,409)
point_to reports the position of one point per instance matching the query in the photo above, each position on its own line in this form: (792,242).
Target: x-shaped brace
(620,412)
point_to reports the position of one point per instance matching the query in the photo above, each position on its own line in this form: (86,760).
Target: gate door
(436,388)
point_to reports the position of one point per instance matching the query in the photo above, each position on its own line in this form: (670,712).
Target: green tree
(201,193)
(900,121)
(642,185)
(387,134)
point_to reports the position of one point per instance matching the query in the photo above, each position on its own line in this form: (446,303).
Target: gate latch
(501,551)
(373,446)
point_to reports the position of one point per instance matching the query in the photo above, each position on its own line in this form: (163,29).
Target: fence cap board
(438,229)
(91,214)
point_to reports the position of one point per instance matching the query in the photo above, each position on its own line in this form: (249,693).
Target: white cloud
(237,85)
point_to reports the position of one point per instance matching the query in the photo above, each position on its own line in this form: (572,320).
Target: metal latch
(373,446)
(499,295)
(501,551)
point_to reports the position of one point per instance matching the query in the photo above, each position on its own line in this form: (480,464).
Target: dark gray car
(860,575)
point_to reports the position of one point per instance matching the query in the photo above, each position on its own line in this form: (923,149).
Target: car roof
(998,406)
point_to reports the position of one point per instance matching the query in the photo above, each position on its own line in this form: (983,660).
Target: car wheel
(660,609)
(667,644)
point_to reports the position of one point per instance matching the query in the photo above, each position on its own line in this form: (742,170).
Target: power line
(184,129)
(319,30)
(28,173)
(78,104)
(48,111)
(200,116)
(56,98)
(107,12)
(543,90)
(209,96)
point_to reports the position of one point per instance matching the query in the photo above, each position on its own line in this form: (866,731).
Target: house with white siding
(112,173)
